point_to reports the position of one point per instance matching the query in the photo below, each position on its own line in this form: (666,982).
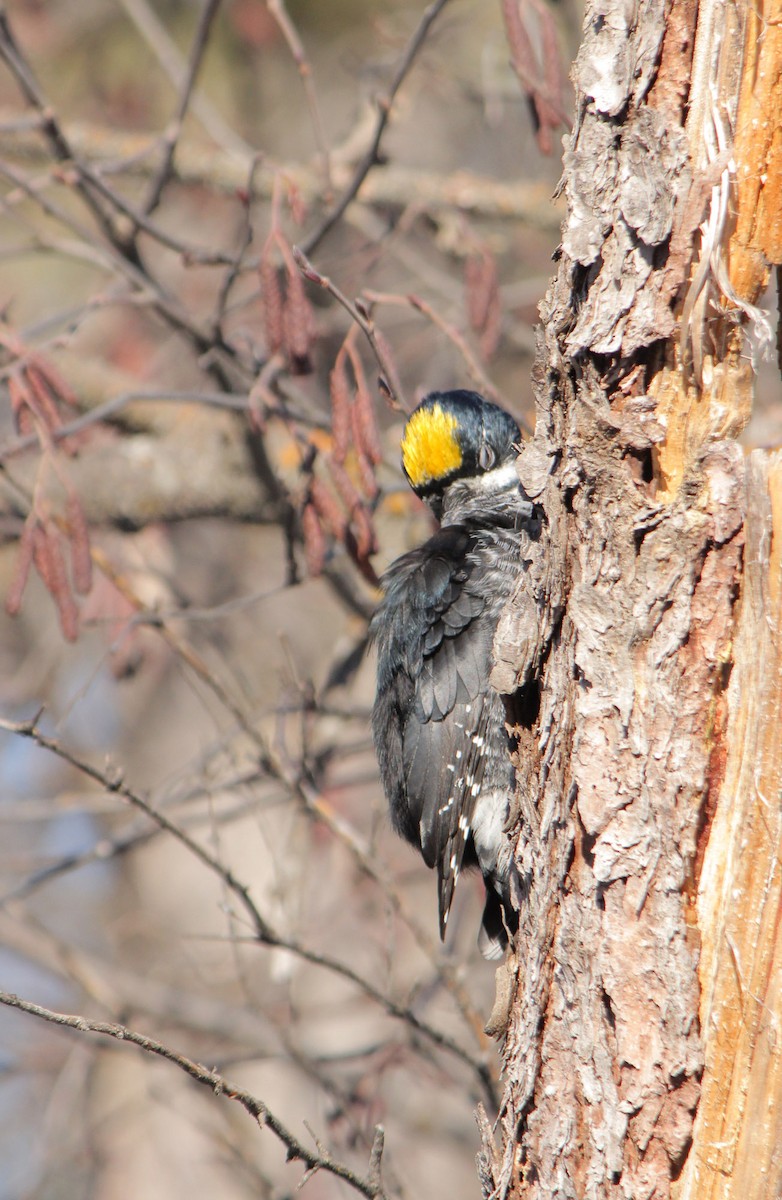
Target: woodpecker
(438,726)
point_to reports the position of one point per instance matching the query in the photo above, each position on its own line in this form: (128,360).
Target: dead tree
(642,1054)
(642,652)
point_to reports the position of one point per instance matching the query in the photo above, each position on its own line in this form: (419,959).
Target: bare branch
(362,318)
(290,33)
(168,55)
(389,184)
(172,134)
(296,1150)
(384,106)
(264,932)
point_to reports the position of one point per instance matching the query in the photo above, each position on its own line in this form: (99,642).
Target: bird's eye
(486,457)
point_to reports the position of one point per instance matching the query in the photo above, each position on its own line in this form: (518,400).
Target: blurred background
(204,646)
(199,488)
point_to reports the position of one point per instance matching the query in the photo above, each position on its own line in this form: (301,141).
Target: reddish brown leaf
(297,320)
(314,541)
(50,564)
(328,509)
(296,203)
(53,380)
(45,405)
(20,395)
(483,299)
(348,492)
(365,533)
(521,52)
(366,473)
(271,300)
(24,558)
(393,381)
(481,286)
(79,537)
(550,104)
(341,405)
(490,337)
(539,74)
(365,432)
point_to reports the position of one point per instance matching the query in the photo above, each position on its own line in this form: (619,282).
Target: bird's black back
(438,726)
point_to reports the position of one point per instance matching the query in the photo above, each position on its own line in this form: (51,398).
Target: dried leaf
(314,541)
(365,431)
(19,393)
(393,380)
(366,475)
(484,308)
(490,338)
(79,537)
(50,564)
(24,558)
(550,104)
(44,403)
(298,321)
(271,300)
(296,203)
(481,282)
(328,509)
(539,74)
(521,52)
(341,405)
(347,490)
(53,380)
(366,542)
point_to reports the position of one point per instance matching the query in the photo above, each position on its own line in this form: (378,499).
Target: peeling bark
(620,641)
(603,1055)
(737,1146)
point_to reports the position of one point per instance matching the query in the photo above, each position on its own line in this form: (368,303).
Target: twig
(362,318)
(33,189)
(116,786)
(290,33)
(384,106)
(321,1161)
(173,133)
(28,85)
(106,848)
(474,368)
(115,405)
(245,241)
(94,191)
(263,931)
(116,257)
(298,787)
(389,185)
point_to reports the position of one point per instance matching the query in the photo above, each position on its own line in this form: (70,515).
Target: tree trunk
(645,639)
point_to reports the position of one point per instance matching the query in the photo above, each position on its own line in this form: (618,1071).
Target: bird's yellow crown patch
(430,449)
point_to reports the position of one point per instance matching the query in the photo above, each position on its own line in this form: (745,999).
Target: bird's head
(454,437)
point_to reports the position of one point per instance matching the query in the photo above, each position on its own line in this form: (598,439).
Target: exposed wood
(737,1147)
(626,618)
(733,221)
(757,239)
(603,1054)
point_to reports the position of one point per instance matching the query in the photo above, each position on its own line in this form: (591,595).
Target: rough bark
(621,638)
(737,1145)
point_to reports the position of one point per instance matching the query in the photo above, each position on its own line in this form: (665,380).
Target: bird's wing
(446,734)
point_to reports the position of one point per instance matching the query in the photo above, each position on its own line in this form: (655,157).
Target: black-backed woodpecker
(439,728)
